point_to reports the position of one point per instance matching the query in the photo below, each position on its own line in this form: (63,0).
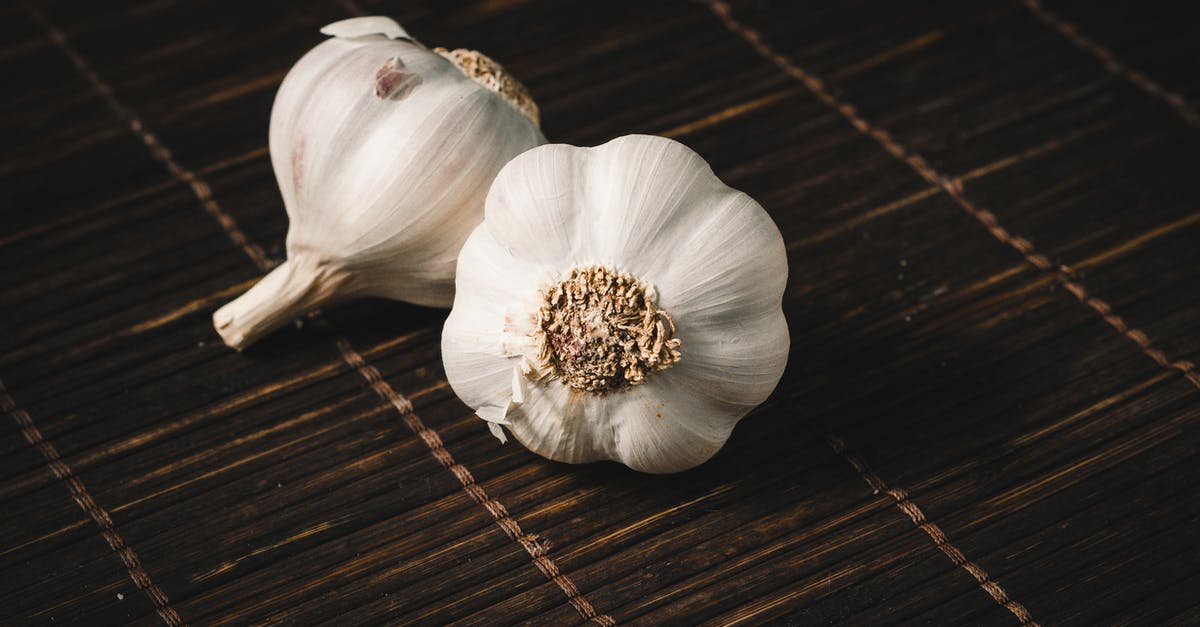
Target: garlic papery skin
(384,151)
(618,302)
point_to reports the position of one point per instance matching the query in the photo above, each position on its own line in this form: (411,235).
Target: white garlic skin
(652,208)
(384,152)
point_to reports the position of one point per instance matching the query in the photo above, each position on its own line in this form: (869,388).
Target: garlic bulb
(618,302)
(384,151)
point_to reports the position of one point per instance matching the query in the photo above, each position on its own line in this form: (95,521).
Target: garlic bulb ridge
(384,151)
(618,302)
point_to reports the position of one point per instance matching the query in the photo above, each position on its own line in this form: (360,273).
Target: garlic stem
(291,290)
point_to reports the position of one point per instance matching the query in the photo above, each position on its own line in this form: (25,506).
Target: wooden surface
(989,415)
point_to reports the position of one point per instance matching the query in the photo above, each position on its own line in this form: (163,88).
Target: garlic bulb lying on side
(618,302)
(384,151)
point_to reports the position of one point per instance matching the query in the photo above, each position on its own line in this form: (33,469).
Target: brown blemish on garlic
(392,82)
(481,69)
(599,330)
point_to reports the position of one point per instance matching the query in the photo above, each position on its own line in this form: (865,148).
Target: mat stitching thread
(1109,60)
(1064,274)
(935,533)
(79,493)
(917,162)
(156,148)
(534,545)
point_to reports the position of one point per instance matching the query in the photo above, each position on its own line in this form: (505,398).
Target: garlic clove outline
(643,216)
(384,151)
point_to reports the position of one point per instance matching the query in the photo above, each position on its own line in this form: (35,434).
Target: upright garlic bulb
(618,302)
(384,151)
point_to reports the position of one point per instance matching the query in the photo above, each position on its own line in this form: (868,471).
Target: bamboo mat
(989,414)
